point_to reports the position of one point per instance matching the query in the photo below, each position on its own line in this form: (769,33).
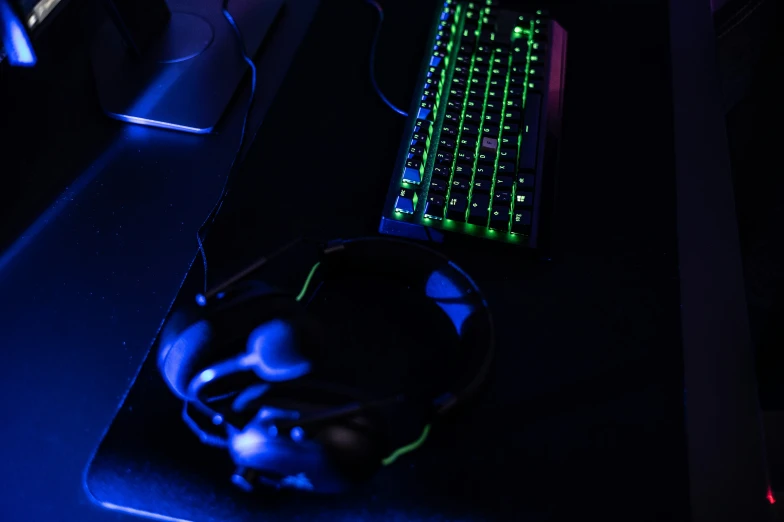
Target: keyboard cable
(210,219)
(373,59)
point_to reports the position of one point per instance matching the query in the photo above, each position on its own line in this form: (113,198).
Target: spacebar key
(530,141)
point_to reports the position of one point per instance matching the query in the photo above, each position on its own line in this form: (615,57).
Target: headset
(245,362)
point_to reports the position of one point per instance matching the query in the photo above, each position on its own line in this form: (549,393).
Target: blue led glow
(249,442)
(207,375)
(273,431)
(201,300)
(297,434)
(249,394)
(14,38)
(159,124)
(137,512)
(444,292)
(274,355)
(299,481)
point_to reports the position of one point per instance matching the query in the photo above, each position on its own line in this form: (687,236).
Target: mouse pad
(583,409)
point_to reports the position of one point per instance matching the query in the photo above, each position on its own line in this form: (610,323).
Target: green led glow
(307,282)
(522,34)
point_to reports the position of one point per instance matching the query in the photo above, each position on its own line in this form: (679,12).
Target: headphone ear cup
(188,341)
(355,447)
(182,352)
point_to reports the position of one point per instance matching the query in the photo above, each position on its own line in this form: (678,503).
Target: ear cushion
(197,338)
(354,445)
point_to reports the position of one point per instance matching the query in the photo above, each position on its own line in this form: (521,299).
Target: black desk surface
(589,358)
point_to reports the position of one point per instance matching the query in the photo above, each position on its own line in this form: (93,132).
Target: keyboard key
(496,94)
(489,145)
(463,170)
(516,81)
(482,185)
(406,201)
(479,81)
(530,141)
(492,118)
(499,217)
(471,129)
(521,222)
(417,148)
(484,49)
(498,82)
(435,207)
(486,157)
(451,117)
(494,106)
(508,155)
(514,104)
(454,104)
(524,200)
(490,128)
(446,143)
(502,197)
(458,203)
(525,181)
(484,171)
(460,185)
(536,72)
(479,209)
(444,158)
(535,86)
(466,155)
(518,70)
(422,125)
(506,168)
(449,129)
(504,183)
(468,142)
(472,117)
(414,162)
(511,128)
(412,176)
(511,116)
(520,54)
(420,135)
(437,186)
(442,172)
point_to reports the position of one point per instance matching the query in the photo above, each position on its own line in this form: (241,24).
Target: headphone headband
(257,329)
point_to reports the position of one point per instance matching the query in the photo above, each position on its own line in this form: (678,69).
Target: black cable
(210,219)
(373,59)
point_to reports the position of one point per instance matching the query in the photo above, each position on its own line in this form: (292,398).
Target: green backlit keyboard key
(490,94)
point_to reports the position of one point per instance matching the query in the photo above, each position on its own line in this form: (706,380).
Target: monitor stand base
(188,77)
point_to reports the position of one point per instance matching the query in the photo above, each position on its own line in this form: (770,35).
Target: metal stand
(187,78)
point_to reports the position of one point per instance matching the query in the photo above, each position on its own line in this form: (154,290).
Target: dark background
(590,356)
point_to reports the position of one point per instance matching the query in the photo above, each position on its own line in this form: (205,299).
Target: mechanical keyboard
(474,158)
